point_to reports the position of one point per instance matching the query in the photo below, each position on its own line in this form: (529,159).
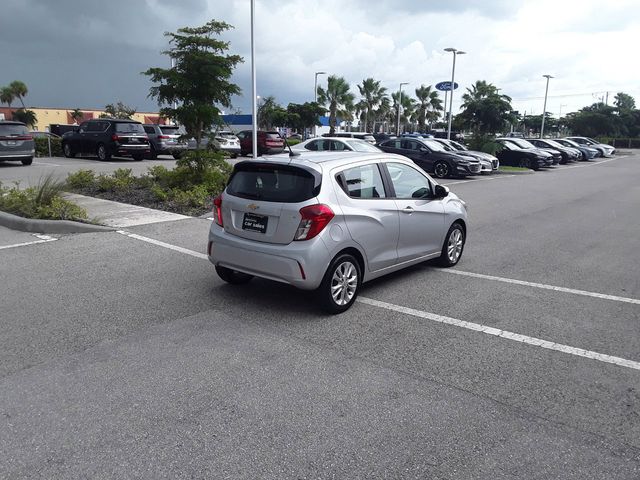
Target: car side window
(338,146)
(149,130)
(312,145)
(363,182)
(241,135)
(83,127)
(408,182)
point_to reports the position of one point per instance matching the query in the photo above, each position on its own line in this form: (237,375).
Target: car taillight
(115,137)
(23,137)
(217,210)
(164,137)
(314,219)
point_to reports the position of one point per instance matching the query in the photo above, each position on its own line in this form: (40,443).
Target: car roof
(119,120)
(11,122)
(327,160)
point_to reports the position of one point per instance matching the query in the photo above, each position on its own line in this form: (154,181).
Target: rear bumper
(301,264)
(17,155)
(131,149)
(164,149)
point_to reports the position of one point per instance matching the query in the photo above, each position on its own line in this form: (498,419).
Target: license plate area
(255,223)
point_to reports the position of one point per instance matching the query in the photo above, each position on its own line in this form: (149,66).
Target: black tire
(138,157)
(68,151)
(524,163)
(177,155)
(103,153)
(344,277)
(232,276)
(453,246)
(441,169)
(27,161)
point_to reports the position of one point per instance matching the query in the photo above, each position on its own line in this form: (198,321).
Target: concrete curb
(35,225)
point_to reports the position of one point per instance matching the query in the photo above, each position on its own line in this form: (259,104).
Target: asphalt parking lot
(123,355)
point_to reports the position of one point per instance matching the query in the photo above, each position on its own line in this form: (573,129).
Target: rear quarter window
(273,183)
(129,128)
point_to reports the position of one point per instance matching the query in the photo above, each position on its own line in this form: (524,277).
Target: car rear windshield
(170,130)
(273,183)
(129,128)
(12,129)
(362,146)
(273,135)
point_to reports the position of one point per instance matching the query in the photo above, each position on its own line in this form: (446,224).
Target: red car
(268,142)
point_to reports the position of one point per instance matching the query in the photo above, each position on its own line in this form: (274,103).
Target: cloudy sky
(87,53)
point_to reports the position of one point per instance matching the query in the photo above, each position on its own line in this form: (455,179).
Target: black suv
(105,137)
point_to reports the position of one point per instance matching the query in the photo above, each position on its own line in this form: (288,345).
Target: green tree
(7,96)
(407,112)
(118,110)
(28,117)
(19,90)
(77,115)
(429,106)
(484,110)
(271,114)
(337,99)
(200,79)
(624,102)
(372,97)
(596,120)
(303,116)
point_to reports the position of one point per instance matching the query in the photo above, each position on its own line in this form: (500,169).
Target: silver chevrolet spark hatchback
(329,222)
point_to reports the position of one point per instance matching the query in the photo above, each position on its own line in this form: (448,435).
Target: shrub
(81,179)
(105,182)
(42,147)
(42,201)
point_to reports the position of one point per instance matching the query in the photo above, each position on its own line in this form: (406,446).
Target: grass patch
(188,189)
(507,168)
(44,201)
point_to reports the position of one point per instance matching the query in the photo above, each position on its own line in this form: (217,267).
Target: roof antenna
(291,152)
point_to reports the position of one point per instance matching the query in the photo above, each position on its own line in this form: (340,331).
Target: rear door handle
(408,210)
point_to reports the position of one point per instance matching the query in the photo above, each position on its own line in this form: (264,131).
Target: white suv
(332,221)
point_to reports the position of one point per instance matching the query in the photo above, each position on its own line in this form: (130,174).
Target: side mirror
(441,191)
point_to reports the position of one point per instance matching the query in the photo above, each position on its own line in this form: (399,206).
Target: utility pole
(544,109)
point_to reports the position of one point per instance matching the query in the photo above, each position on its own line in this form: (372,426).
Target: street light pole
(399,105)
(315,96)
(455,52)
(544,109)
(254,99)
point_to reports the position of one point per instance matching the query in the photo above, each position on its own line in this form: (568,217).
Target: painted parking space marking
(514,281)
(43,239)
(47,164)
(163,244)
(533,341)
(516,337)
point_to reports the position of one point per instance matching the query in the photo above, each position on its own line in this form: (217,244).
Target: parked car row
(536,153)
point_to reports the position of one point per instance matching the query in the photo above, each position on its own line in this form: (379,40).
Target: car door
(419,153)
(392,146)
(421,215)
(80,138)
(93,136)
(371,216)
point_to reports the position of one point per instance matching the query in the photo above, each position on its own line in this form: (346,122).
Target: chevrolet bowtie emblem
(253,206)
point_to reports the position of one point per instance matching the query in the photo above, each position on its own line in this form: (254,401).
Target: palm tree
(28,117)
(408,110)
(484,109)
(7,96)
(429,104)
(337,99)
(77,115)
(19,90)
(372,96)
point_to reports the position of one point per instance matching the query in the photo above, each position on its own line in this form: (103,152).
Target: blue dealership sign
(446,86)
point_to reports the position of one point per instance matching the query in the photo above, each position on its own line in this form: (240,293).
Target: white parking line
(43,239)
(163,244)
(574,291)
(47,164)
(536,342)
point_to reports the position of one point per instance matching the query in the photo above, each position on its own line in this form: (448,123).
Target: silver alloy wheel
(102,152)
(441,170)
(344,283)
(454,245)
